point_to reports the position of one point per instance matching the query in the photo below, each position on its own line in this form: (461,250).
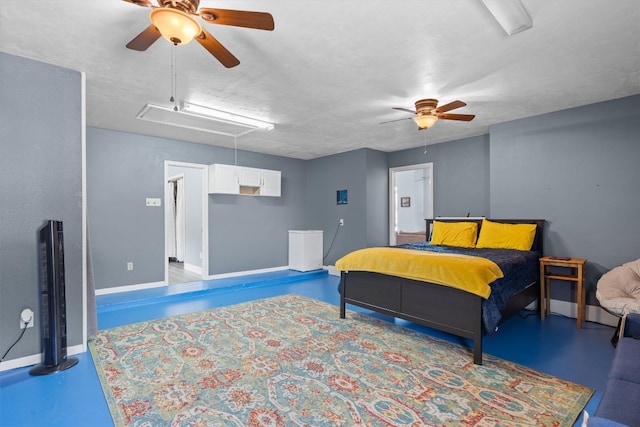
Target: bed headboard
(537,241)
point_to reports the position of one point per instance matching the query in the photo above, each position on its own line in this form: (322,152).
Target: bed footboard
(443,308)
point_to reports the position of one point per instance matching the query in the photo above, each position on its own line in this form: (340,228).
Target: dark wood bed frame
(439,307)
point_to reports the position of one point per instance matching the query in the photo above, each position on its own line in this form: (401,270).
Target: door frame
(392,194)
(205,215)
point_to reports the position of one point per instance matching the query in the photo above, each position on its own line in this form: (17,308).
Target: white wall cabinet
(270,183)
(223,179)
(249,177)
(230,179)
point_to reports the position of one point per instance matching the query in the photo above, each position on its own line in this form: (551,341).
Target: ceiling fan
(175,21)
(427,113)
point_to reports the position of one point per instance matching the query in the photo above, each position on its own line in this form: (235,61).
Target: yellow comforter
(469,273)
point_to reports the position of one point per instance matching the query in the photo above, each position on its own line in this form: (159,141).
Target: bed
(443,306)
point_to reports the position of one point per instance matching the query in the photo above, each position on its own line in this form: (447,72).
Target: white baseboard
(593,313)
(332,270)
(193,268)
(598,315)
(246,272)
(141,286)
(36,358)
(129,288)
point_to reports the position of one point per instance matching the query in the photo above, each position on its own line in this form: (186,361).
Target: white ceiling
(331,70)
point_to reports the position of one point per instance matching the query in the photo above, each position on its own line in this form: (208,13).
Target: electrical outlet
(129,266)
(341,221)
(26,318)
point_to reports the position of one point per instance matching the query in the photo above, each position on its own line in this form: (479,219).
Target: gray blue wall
(364,174)
(41,175)
(245,233)
(377,173)
(460,174)
(578,169)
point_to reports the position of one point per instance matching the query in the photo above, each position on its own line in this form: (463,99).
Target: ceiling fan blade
(396,120)
(462,117)
(404,109)
(143,3)
(145,39)
(216,49)
(238,18)
(450,106)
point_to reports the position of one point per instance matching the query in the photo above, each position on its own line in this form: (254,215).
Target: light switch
(153,201)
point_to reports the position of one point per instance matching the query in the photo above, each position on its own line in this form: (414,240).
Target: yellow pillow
(462,234)
(506,236)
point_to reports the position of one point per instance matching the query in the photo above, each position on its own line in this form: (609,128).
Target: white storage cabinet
(305,250)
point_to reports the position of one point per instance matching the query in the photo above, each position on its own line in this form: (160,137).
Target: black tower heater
(53,322)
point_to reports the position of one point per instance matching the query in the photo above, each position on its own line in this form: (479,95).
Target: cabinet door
(270,183)
(249,177)
(223,179)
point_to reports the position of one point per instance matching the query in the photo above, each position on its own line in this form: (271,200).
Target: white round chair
(618,291)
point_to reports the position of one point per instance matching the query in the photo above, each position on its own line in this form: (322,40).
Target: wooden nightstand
(577,267)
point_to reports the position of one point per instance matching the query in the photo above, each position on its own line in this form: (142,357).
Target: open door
(410,202)
(186,222)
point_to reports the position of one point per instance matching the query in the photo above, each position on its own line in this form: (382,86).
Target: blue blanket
(520,269)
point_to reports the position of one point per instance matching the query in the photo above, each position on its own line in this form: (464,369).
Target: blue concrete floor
(74,397)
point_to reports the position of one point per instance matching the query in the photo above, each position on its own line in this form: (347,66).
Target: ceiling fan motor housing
(186,6)
(426,106)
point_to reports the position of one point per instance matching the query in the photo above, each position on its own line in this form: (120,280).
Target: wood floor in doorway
(177,274)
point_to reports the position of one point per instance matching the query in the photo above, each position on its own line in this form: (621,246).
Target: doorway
(410,202)
(186,225)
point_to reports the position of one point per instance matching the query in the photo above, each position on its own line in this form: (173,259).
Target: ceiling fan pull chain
(171,98)
(425,143)
(174,77)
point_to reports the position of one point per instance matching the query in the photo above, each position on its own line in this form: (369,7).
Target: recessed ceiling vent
(197,117)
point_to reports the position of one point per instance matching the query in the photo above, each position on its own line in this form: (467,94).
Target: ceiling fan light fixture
(512,15)
(425,121)
(174,25)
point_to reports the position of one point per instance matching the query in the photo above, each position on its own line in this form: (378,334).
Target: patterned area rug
(291,361)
